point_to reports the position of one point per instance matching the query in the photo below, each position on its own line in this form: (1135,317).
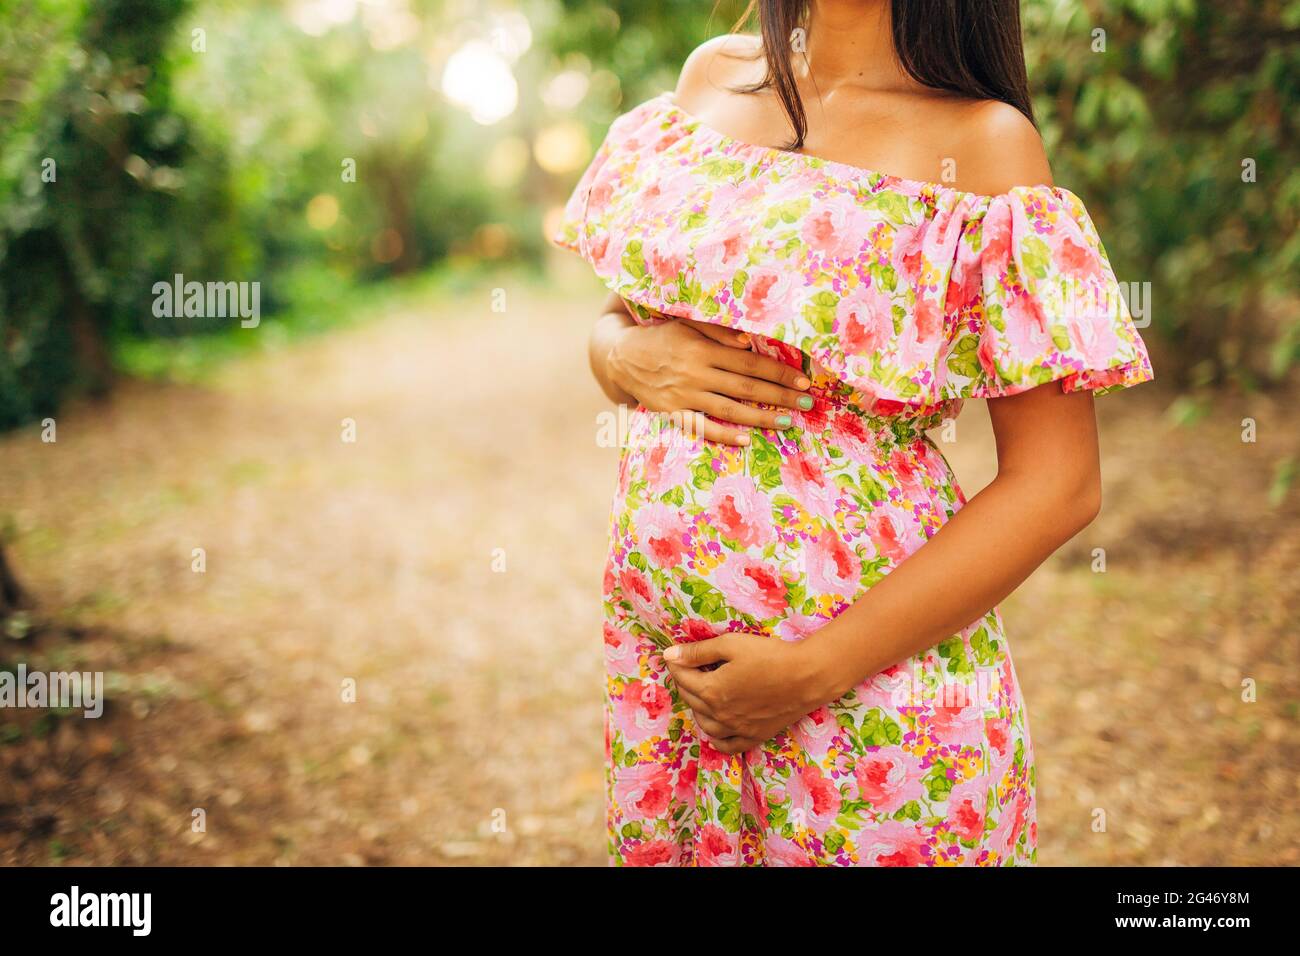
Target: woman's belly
(776,538)
(928,760)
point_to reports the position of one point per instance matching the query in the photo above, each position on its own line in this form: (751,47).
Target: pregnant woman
(822,243)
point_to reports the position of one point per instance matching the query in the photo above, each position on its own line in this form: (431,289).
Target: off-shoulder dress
(899,299)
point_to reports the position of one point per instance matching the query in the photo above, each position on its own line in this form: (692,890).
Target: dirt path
(475,733)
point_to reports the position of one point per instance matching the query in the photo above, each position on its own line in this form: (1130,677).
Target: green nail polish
(806,402)
(784,421)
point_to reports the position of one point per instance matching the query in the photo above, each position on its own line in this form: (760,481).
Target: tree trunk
(12,595)
(94,361)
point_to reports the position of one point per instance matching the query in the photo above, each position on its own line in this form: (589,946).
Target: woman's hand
(763,686)
(691,369)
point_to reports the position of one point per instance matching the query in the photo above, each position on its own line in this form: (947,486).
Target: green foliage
(101,189)
(1155,123)
(642,44)
(133,148)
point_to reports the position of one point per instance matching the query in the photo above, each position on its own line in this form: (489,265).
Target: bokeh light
(562,147)
(478,79)
(322,211)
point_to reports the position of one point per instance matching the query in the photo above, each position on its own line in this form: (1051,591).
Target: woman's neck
(850,44)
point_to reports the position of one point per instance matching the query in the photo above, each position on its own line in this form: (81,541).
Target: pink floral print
(899,299)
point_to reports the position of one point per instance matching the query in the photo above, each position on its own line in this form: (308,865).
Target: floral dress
(898,299)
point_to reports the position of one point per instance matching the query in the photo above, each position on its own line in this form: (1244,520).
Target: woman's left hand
(763,686)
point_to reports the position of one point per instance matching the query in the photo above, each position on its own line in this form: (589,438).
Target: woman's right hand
(690,369)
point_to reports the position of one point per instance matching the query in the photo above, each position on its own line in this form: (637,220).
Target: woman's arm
(692,369)
(1047,490)
(613,321)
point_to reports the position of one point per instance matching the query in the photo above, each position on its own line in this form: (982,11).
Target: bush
(1159,120)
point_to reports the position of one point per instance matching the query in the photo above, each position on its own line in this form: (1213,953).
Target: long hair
(962,46)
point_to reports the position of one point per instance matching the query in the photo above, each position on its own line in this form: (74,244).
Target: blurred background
(341,569)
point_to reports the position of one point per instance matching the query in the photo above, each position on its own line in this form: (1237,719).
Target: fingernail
(801,382)
(743,338)
(806,402)
(784,421)
(742,439)
(672,653)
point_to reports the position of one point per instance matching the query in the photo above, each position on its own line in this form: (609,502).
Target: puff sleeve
(1033,299)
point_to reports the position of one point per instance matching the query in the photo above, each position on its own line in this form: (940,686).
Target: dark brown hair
(958,45)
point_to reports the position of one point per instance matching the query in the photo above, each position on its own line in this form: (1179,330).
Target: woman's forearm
(700,375)
(978,558)
(604,334)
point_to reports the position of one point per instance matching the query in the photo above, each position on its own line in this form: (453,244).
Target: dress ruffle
(906,291)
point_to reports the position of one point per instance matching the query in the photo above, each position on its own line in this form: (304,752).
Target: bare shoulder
(997,148)
(716,64)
